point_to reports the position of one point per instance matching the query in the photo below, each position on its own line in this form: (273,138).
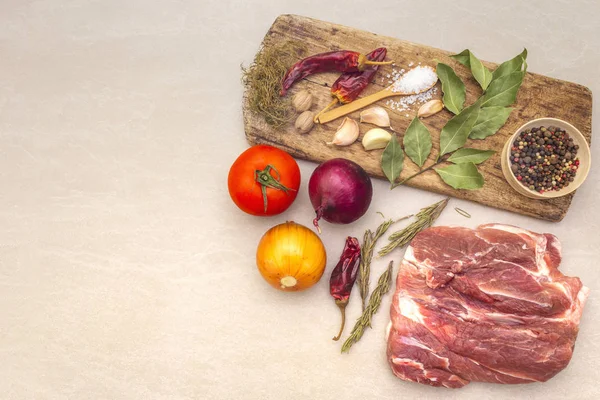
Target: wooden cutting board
(539,96)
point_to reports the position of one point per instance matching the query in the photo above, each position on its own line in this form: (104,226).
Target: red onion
(340,191)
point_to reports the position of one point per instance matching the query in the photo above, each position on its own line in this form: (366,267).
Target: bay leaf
(513,65)
(489,121)
(463,57)
(503,91)
(466,155)
(461,176)
(392,160)
(456,131)
(417,142)
(453,88)
(482,75)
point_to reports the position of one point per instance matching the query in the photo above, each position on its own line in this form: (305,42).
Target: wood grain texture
(540,96)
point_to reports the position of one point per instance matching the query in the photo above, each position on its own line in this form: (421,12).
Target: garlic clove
(346,134)
(376,138)
(302,101)
(430,108)
(376,116)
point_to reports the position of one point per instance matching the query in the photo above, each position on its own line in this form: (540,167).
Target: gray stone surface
(125,270)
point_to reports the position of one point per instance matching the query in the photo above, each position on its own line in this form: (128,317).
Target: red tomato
(275,168)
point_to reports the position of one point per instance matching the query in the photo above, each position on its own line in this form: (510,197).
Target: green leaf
(417,142)
(453,88)
(490,119)
(456,131)
(481,74)
(463,57)
(503,91)
(474,156)
(461,176)
(510,66)
(392,160)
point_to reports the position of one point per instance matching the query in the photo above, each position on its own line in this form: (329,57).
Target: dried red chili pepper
(350,85)
(343,277)
(341,61)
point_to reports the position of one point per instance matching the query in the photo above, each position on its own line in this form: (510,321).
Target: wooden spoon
(365,101)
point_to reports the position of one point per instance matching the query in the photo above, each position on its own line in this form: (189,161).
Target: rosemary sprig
(368,246)
(383,286)
(425,218)
(364,269)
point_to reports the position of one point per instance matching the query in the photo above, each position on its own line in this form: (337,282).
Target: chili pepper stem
(342,306)
(363,60)
(378,62)
(333,103)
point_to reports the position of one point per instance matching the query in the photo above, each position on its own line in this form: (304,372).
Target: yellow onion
(291,257)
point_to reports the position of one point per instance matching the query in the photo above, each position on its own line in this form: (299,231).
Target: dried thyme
(262,80)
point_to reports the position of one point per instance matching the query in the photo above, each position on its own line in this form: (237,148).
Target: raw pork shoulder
(483,305)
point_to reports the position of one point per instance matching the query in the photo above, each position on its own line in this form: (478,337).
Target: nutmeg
(302,101)
(304,122)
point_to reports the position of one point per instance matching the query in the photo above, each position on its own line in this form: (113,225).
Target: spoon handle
(355,105)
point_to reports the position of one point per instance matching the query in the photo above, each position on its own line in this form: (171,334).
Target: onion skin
(291,257)
(340,191)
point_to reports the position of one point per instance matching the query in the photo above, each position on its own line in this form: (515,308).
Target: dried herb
(453,88)
(510,66)
(262,80)
(456,131)
(466,155)
(417,142)
(461,176)
(369,242)
(364,270)
(481,74)
(392,160)
(478,121)
(383,286)
(489,121)
(502,92)
(462,212)
(425,218)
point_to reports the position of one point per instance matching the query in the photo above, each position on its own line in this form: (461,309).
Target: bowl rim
(552,194)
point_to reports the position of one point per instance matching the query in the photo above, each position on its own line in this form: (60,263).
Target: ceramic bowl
(583,154)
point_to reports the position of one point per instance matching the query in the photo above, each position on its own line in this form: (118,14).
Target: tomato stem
(265,179)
